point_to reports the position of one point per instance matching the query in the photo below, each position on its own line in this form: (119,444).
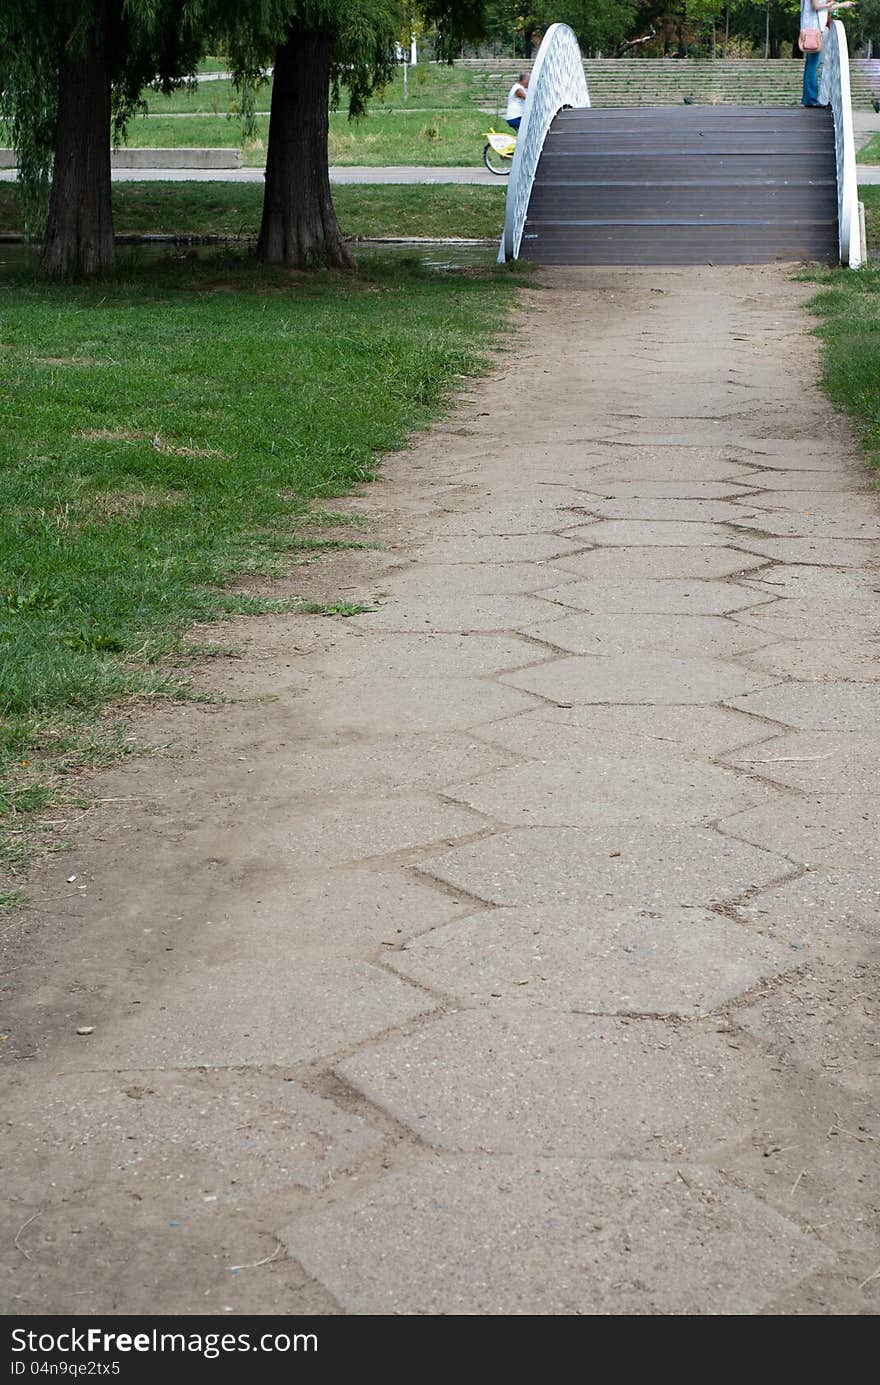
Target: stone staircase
(667,81)
(685,185)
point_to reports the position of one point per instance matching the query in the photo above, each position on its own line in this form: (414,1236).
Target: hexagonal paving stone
(256,1013)
(786,619)
(512,1236)
(248,1132)
(537,1081)
(826,762)
(851,481)
(654,508)
(464,614)
(830,501)
(831,830)
(667,490)
(636,678)
(834,589)
(534,517)
(649,866)
(591,791)
(625,533)
(551,733)
(669,962)
(659,563)
(310,838)
(665,465)
(644,597)
(445,657)
(679,636)
(825,1019)
(791,454)
(836,1191)
(818,523)
(824,552)
(816,706)
(822,910)
(386,764)
(472,579)
(817,660)
(511,548)
(345,912)
(387,703)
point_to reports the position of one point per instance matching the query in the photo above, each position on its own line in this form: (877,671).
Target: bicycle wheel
(495,162)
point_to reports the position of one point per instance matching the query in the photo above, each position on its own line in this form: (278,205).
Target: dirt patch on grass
(68,360)
(110,435)
(121,505)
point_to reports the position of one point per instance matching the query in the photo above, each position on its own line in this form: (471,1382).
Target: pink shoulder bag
(810,40)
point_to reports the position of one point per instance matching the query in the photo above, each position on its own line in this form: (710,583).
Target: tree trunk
(299,226)
(78,241)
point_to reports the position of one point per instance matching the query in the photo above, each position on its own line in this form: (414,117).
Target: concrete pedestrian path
(505,949)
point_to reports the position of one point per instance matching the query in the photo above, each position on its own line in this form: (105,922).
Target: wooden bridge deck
(685,185)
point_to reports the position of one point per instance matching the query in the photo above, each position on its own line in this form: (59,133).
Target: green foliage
(601,25)
(151,42)
(364,37)
(28,98)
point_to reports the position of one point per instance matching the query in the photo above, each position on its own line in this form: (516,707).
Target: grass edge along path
(848,306)
(169,430)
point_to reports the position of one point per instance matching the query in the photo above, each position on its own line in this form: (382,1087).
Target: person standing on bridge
(814,22)
(516,101)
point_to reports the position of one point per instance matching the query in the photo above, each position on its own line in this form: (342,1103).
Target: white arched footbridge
(681,184)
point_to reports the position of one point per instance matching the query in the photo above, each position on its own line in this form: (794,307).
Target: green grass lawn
(870,152)
(430,86)
(412,137)
(233,209)
(871,199)
(215,98)
(167,430)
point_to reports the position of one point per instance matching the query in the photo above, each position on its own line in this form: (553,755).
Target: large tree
(71,74)
(318,48)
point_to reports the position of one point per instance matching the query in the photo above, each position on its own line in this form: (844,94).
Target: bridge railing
(834,90)
(557,81)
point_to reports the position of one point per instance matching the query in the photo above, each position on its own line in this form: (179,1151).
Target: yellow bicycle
(498,153)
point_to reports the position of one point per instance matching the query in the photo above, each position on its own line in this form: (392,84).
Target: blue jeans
(514,124)
(811,79)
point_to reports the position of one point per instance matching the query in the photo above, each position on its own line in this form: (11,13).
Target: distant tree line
(669,28)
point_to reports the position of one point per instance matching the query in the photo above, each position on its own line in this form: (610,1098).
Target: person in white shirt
(814,15)
(516,101)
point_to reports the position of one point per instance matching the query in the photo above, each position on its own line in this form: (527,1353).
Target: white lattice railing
(557,80)
(834,92)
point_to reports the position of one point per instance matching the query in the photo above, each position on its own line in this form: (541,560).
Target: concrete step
(658,81)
